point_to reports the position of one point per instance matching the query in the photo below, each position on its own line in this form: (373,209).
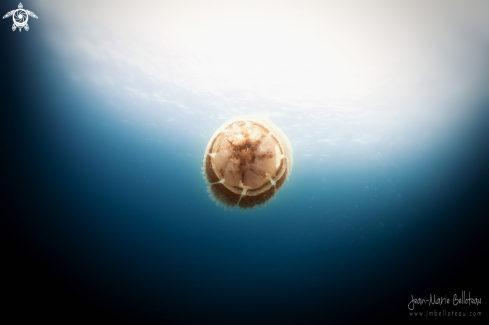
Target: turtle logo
(20,16)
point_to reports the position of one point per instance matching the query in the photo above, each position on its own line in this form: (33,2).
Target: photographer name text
(455,301)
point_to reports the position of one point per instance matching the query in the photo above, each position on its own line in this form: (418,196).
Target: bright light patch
(342,77)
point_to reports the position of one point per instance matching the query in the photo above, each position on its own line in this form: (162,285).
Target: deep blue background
(100,222)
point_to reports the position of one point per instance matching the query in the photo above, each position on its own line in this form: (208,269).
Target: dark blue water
(104,221)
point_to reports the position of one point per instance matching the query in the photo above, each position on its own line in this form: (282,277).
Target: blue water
(108,221)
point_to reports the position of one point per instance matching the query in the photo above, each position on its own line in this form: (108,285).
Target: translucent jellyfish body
(246,162)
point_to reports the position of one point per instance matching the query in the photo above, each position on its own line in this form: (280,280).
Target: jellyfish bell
(247,161)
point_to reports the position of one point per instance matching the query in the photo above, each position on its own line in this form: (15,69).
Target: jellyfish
(246,162)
